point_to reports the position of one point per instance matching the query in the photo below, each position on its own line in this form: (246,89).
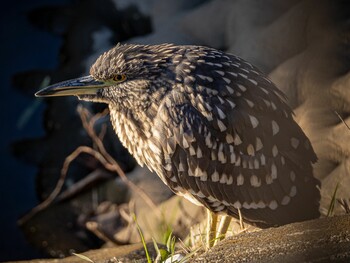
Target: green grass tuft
(332,204)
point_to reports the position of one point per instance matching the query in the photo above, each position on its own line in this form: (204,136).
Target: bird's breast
(136,140)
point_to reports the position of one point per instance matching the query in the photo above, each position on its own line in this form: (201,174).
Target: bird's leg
(222,230)
(211,228)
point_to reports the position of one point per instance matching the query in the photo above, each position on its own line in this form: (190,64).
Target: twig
(81,184)
(100,154)
(59,184)
(342,119)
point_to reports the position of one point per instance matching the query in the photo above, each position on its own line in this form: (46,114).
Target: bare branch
(99,154)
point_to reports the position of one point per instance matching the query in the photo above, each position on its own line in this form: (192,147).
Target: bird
(214,128)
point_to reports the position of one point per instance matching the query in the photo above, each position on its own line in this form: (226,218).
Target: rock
(125,254)
(164,10)
(320,240)
(203,27)
(267,33)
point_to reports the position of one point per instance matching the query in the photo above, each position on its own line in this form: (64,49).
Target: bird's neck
(132,134)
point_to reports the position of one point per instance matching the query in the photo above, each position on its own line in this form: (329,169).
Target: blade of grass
(142,240)
(332,204)
(168,242)
(83,257)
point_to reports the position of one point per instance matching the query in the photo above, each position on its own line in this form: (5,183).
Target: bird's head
(127,76)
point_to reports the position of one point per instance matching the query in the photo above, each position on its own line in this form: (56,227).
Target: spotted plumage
(212,126)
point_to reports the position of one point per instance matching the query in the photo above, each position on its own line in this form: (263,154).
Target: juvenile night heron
(212,126)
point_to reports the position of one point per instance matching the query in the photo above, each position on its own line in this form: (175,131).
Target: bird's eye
(119,78)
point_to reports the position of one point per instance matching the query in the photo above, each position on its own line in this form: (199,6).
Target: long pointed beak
(81,86)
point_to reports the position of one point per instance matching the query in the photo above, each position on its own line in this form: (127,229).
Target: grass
(142,239)
(167,254)
(332,204)
(85,258)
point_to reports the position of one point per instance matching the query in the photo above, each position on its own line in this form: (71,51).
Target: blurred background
(303,45)
(23,47)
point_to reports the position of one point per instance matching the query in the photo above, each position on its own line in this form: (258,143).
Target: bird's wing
(234,144)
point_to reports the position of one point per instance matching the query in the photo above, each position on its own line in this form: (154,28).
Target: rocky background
(303,46)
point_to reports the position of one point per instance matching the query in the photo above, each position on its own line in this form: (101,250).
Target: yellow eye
(119,78)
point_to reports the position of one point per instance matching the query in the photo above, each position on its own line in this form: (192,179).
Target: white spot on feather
(173,179)
(204,176)
(221,99)
(273,205)
(154,148)
(275,128)
(250,149)
(185,143)
(250,103)
(243,75)
(198,172)
(199,153)
(237,205)
(200,194)
(221,113)
(229,89)
(256,164)
(253,81)
(261,204)
(228,81)
(254,181)
(233,74)
(238,161)
(208,115)
(294,142)
(273,171)
(273,106)
(208,140)
(168,167)
(268,179)
(237,139)
(181,167)
(285,200)
(267,103)
(233,157)
(192,151)
(246,205)
(264,90)
(274,151)
(254,121)
(229,138)
(292,176)
(215,176)
(219,208)
(220,72)
(258,144)
(293,191)
(241,87)
(221,125)
(232,105)
(223,179)
(283,161)
(221,155)
(240,179)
